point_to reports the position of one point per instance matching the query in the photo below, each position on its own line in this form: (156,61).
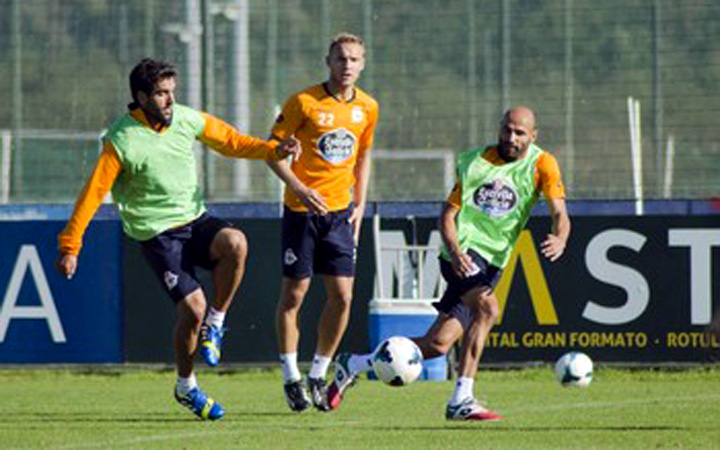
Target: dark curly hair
(148,72)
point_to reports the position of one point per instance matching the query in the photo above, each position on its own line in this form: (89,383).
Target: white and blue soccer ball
(574,369)
(397,361)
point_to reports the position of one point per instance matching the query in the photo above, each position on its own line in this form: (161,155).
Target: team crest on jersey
(289,257)
(337,145)
(357,115)
(495,198)
(171,279)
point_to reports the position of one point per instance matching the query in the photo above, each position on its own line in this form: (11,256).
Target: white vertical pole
(448,171)
(17,98)
(420,269)
(669,167)
(569,80)
(194,53)
(208,89)
(472,73)
(378,255)
(639,185)
(400,255)
(5,166)
(636,153)
(369,72)
(241,91)
(505,49)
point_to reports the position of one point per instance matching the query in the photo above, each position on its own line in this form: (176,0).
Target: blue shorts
(451,303)
(312,243)
(174,254)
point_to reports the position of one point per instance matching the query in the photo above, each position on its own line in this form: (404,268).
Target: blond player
(324,203)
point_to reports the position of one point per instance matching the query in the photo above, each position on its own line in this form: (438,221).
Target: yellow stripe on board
(537,285)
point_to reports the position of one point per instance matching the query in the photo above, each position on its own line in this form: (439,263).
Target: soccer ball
(397,361)
(574,369)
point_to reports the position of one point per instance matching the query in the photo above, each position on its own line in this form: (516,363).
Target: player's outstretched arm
(554,244)
(289,147)
(228,141)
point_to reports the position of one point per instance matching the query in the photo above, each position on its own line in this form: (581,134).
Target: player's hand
(463,265)
(313,200)
(356,221)
(552,247)
(66,264)
(288,147)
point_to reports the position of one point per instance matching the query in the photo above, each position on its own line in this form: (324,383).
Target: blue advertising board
(46,318)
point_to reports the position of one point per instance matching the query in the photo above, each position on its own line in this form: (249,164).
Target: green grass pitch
(134,409)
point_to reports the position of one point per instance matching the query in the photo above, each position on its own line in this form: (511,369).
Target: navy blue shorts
(451,303)
(174,254)
(312,243)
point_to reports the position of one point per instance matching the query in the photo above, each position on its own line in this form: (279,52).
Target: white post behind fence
(5,162)
(636,152)
(669,167)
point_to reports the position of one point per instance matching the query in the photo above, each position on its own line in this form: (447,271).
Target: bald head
(521,115)
(518,130)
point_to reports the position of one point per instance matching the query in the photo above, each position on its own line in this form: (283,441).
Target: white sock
(185,385)
(290,367)
(215,318)
(463,390)
(360,363)
(320,366)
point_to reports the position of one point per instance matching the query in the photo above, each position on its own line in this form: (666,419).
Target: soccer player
(324,203)
(149,163)
(495,191)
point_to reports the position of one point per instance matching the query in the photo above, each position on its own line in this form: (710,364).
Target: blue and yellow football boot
(210,342)
(201,404)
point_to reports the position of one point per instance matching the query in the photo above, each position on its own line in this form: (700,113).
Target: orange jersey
(333,134)
(218,135)
(547,177)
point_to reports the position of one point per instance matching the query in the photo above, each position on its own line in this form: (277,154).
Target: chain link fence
(442,71)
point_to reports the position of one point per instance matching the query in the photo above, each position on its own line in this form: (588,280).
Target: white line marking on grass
(136,440)
(177,436)
(605,404)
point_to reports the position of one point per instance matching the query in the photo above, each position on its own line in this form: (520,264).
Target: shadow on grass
(31,419)
(494,427)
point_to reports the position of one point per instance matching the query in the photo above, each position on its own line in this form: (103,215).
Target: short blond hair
(345,38)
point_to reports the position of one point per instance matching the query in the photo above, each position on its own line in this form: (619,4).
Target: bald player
(487,209)
(324,203)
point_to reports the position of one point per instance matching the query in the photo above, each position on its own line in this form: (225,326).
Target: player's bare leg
(437,341)
(441,336)
(483,307)
(292,294)
(229,249)
(331,328)
(335,315)
(190,312)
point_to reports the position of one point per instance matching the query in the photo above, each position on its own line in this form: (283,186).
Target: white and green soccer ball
(574,369)
(397,361)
